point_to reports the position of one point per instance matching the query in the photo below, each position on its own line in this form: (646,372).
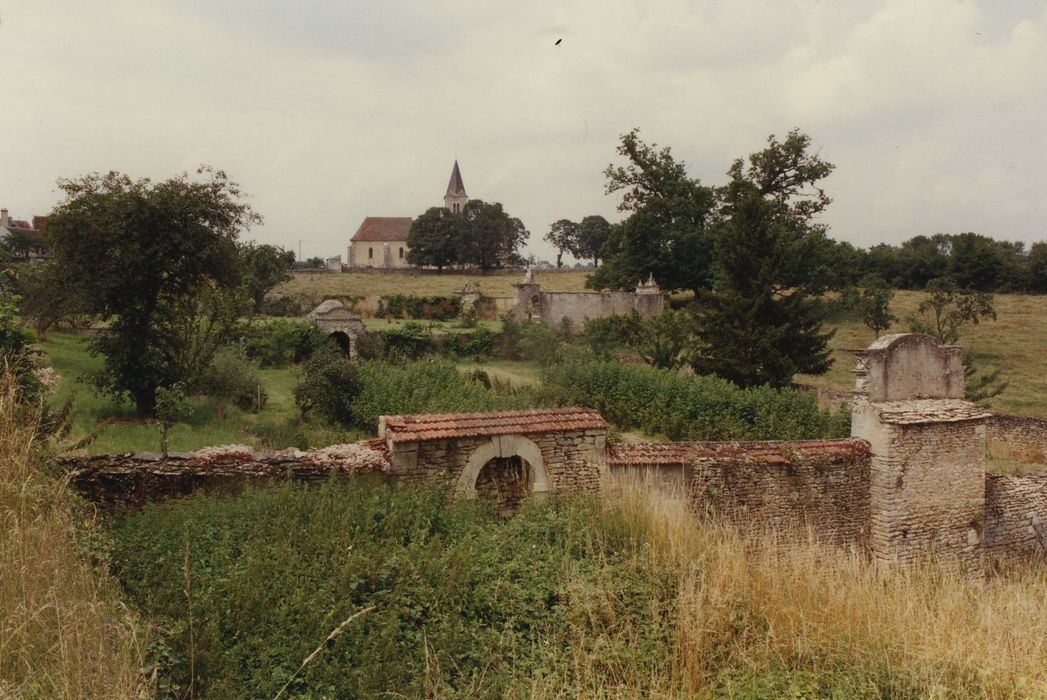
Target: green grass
(1016,344)
(103,425)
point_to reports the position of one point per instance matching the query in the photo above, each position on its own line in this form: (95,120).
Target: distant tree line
(969,260)
(482,235)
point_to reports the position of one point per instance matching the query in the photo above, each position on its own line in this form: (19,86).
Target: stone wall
(565,461)
(529,301)
(1015,519)
(1026,438)
(818,484)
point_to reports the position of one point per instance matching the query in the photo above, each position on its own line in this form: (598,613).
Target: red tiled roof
(383,228)
(440,426)
(769,452)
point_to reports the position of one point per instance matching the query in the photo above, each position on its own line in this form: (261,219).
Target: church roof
(455,186)
(383,228)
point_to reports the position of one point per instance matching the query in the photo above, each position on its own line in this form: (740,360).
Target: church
(381,241)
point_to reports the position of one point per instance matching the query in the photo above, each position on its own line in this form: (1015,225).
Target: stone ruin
(340,324)
(530,302)
(909,484)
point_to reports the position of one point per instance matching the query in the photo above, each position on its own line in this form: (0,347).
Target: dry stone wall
(1015,519)
(1025,438)
(820,485)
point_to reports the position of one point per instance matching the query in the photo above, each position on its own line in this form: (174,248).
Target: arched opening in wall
(534,307)
(506,481)
(342,341)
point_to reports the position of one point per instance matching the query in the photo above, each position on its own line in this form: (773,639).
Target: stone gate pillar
(927,479)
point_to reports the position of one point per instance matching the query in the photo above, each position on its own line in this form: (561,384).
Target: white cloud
(328,112)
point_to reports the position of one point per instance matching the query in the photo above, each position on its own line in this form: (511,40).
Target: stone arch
(498,447)
(343,341)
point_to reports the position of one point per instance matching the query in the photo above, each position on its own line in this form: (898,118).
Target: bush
(479,343)
(528,340)
(431,308)
(328,387)
(281,307)
(234,378)
(608,335)
(426,387)
(690,407)
(279,342)
(409,341)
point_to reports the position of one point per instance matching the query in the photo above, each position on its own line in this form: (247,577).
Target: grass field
(319,286)
(101,425)
(1016,344)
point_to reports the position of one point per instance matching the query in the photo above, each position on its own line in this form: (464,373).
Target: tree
(47,297)
(159,262)
(263,267)
(950,308)
(329,386)
(667,231)
(593,232)
(1038,267)
(435,238)
(762,324)
(564,236)
(490,236)
(874,304)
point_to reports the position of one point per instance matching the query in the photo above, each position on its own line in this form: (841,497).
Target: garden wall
(1015,519)
(1026,437)
(817,484)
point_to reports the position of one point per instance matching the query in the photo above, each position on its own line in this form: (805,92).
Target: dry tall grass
(752,606)
(63,631)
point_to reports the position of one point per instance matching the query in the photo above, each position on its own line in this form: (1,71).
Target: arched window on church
(401,253)
(370,253)
(456,207)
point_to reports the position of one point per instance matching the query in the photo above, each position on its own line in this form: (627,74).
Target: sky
(934,112)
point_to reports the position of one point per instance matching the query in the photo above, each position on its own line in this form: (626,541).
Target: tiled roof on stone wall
(441,426)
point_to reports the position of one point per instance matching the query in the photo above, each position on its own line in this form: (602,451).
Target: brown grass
(64,632)
(746,603)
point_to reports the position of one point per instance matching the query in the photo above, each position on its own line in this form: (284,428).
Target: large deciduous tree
(563,234)
(667,232)
(762,324)
(435,238)
(159,262)
(264,266)
(490,236)
(593,232)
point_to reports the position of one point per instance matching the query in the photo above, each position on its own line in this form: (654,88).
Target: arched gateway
(505,455)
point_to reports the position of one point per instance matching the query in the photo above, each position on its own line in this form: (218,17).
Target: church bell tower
(456,197)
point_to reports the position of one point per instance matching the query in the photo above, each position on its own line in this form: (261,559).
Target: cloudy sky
(935,112)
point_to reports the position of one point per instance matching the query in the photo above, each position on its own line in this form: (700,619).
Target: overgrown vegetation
(64,629)
(632,596)
(691,407)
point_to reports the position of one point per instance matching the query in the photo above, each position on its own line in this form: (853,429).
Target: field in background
(1016,344)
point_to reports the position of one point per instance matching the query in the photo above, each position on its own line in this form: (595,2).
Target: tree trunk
(145,403)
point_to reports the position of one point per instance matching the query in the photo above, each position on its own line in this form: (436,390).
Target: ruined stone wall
(1015,519)
(1025,437)
(784,486)
(928,493)
(580,306)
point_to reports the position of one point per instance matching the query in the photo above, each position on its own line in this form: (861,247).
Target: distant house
(25,240)
(381,241)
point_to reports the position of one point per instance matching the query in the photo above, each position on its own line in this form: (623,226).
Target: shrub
(425,387)
(528,340)
(328,387)
(690,407)
(233,377)
(409,341)
(605,336)
(279,342)
(479,343)
(281,307)
(429,308)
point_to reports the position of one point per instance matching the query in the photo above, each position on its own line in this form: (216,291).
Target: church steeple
(456,197)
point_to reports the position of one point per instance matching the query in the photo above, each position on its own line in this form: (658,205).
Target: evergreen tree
(762,324)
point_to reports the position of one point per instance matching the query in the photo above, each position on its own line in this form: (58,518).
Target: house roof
(455,187)
(442,426)
(383,228)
